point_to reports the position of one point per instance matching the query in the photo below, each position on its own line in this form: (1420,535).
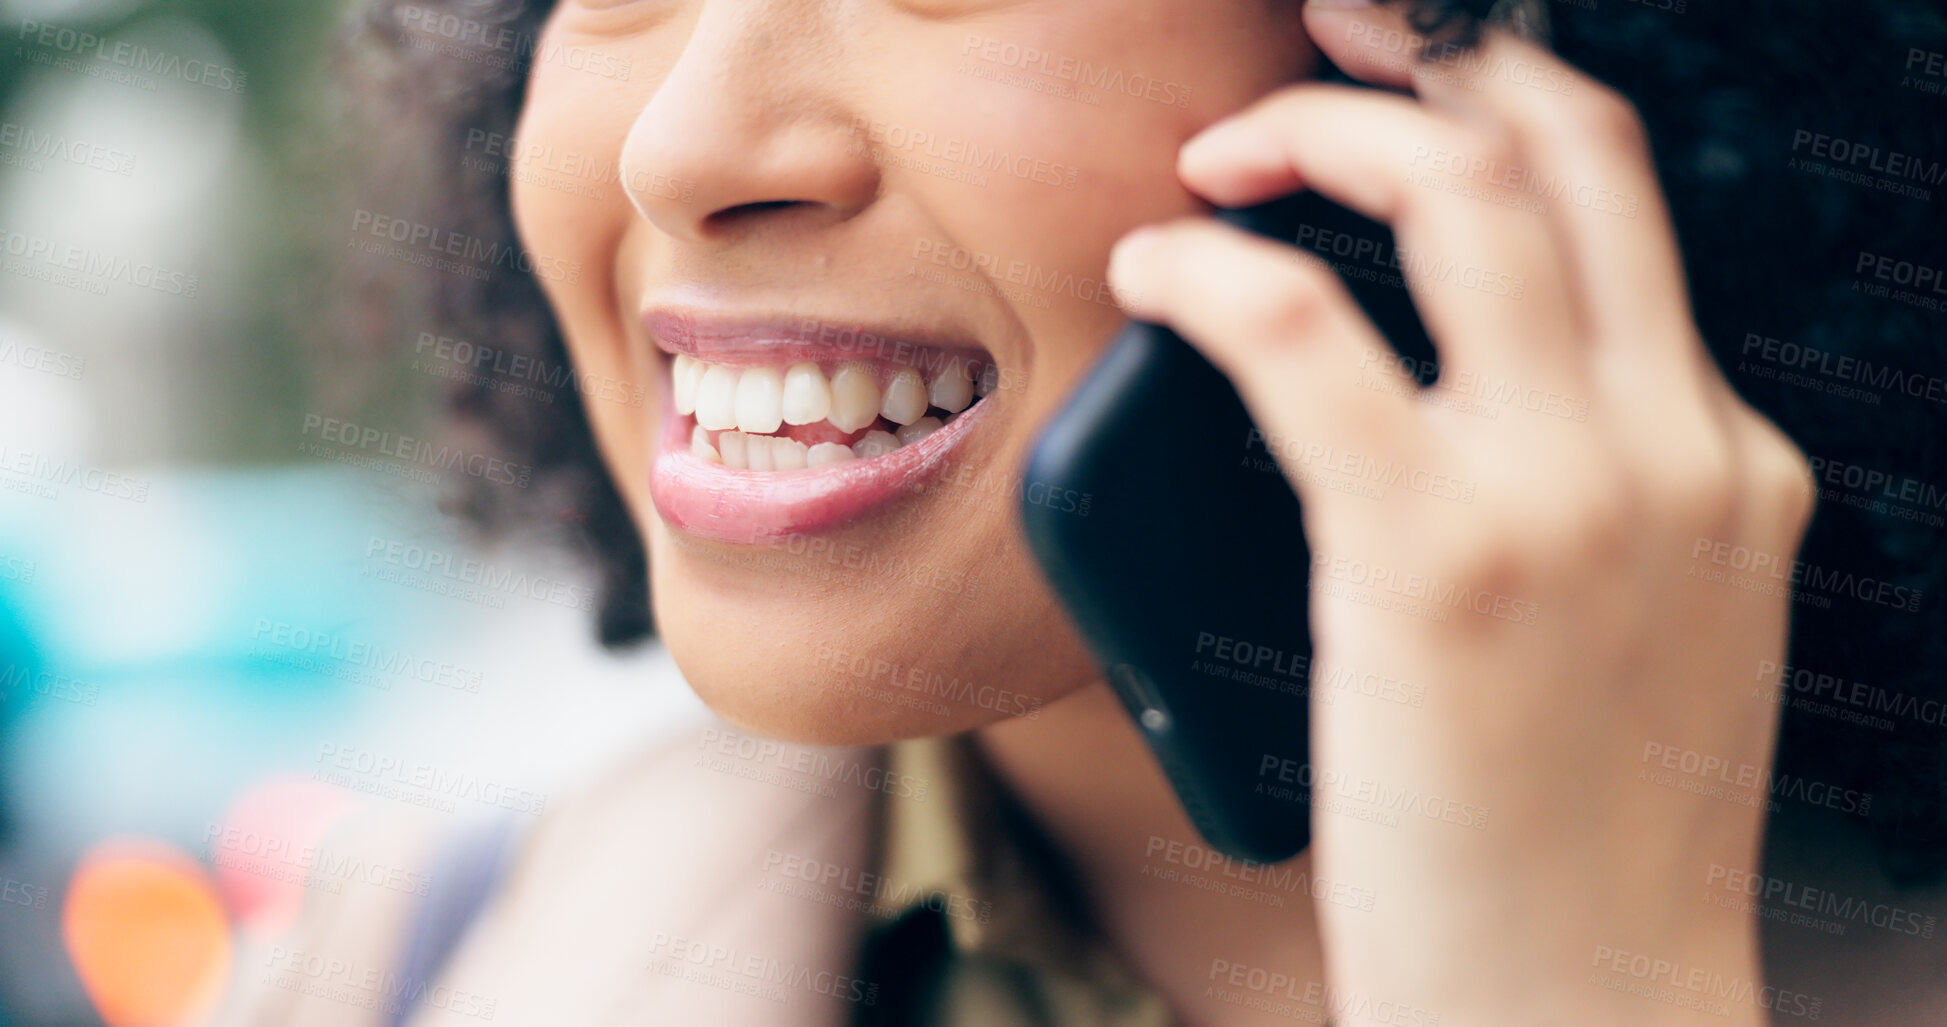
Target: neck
(1190,922)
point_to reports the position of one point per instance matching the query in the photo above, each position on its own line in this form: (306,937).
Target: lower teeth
(747,451)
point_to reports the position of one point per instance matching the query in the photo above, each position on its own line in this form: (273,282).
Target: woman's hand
(1553,543)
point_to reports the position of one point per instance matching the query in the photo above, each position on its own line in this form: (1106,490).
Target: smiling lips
(769,431)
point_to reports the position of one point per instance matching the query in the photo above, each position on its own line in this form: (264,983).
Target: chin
(785,646)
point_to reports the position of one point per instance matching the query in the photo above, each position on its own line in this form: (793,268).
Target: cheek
(570,209)
(1036,146)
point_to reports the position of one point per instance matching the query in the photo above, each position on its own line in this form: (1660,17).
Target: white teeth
(807,396)
(905,398)
(855,397)
(716,398)
(757,451)
(700,445)
(787,455)
(829,453)
(744,407)
(760,395)
(684,376)
(875,443)
(952,390)
(733,446)
(919,429)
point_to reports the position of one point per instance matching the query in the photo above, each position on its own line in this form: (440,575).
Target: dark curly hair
(1788,251)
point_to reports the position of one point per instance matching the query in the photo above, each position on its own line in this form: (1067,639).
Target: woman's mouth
(757,418)
(770,432)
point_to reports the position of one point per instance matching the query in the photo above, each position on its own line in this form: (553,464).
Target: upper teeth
(756,401)
(952,389)
(905,400)
(715,401)
(854,397)
(807,396)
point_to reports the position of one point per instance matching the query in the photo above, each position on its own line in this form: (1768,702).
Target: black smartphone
(1187,573)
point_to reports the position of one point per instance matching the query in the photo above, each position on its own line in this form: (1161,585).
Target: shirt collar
(968,850)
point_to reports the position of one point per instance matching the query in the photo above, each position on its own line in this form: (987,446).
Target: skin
(748,103)
(751,106)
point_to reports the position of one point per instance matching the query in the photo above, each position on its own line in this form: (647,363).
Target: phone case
(1188,559)
(1187,569)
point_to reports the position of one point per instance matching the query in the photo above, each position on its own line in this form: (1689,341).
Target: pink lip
(711,501)
(751,507)
(784,340)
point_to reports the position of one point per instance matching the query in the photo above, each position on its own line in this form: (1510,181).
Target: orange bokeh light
(146,932)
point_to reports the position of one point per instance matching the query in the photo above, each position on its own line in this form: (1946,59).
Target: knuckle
(1587,527)
(1701,491)
(1301,307)
(1492,149)
(1573,528)
(1483,157)
(1606,119)
(1494,561)
(1786,489)
(1603,531)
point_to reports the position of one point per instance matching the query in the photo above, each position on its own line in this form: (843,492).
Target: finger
(1584,154)
(1380,44)
(1485,271)
(1375,45)
(1303,356)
